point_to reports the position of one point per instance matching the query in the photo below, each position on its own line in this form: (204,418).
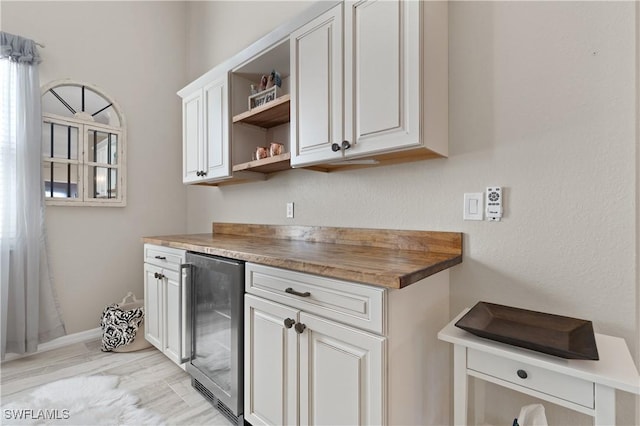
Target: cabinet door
(216,153)
(316,89)
(192,137)
(341,374)
(271,363)
(382,66)
(153,309)
(172,347)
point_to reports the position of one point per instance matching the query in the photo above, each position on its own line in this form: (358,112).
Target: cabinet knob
(198,173)
(335,147)
(346,145)
(155,275)
(288,322)
(522,374)
(300,328)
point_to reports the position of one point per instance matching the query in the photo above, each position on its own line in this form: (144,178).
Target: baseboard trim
(69,339)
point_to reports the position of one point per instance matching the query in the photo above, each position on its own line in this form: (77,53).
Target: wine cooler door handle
(186,350)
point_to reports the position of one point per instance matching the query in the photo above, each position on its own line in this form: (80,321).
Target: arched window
(83,137)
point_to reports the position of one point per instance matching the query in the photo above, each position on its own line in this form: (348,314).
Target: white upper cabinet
(362,82)
(382,90)
(192,137)
(216,130)
(316,86)
(396,79)
(395,92)
(205,127)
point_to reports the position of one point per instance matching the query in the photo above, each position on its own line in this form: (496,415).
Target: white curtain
(29,312)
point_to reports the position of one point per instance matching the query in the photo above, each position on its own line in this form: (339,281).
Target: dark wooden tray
(557,335)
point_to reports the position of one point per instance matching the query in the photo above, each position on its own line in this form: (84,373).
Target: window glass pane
(103,182)
(100,108)
(54,105)
(60,180)
(59,141)
(69,100)
(69,97)
(103,147)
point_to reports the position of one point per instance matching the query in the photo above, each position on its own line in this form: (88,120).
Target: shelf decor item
(268,90)
(275,149)
(565,337)
(261,152)
(263,97)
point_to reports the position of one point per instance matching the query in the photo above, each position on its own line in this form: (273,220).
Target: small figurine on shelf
(261,152)
(274,79)
(275,148)
(263,83)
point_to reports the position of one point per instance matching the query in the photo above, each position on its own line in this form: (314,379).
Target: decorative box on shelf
(264,97)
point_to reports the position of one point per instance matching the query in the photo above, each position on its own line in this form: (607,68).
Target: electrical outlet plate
(494,202)
(289,210)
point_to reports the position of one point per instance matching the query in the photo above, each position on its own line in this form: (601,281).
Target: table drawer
(538,379)
(164,257)
(359,305)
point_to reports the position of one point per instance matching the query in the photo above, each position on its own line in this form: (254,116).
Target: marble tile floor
(161,385)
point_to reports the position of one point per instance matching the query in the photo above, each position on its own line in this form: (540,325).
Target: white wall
(542,102)
(135,52)
(638,194)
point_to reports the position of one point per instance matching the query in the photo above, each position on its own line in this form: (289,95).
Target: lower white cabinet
(163,300)
(341,374)
(309,361)
(271,363)
(315,370)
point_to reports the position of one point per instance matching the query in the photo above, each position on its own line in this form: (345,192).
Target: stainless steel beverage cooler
(215,289)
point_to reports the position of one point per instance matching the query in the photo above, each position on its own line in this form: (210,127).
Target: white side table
(584,386)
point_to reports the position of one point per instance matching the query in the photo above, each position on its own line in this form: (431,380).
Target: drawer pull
(288,322)
(522,374)
(297,293)
(300,327)
(161,257)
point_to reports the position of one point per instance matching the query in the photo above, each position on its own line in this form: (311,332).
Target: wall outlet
(289,210)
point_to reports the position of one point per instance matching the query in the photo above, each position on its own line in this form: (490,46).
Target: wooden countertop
(383,257)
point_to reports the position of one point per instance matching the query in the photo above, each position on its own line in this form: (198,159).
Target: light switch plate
(473,206)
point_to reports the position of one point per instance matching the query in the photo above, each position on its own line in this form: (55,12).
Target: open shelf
(266,165)
(269,115)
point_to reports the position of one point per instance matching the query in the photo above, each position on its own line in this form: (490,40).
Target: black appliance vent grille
(214,400)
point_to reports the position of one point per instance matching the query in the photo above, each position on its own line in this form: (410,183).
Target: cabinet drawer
(538,379)
(355,304)
(165,257)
